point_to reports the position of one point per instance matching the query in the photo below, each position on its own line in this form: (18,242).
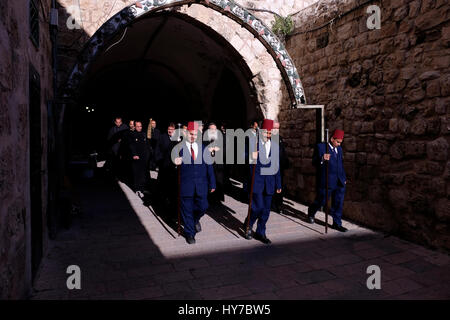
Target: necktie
(192,153)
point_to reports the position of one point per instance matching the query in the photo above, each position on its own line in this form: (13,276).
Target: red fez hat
(192,125)
(267,124)
(338,134)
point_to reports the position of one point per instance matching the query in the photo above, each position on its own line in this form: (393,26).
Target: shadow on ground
(119,260)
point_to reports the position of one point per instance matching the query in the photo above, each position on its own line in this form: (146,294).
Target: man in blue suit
(267,181)
(336,179)
(196,178)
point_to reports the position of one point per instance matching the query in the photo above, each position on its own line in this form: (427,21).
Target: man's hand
(178,161)
(278,190)
(255,155)
(326,156)
(212,190)
(136,157)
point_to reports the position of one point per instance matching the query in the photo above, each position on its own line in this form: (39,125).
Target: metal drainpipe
(54,39)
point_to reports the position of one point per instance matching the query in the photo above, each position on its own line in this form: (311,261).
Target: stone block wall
(389,89)
(16,53)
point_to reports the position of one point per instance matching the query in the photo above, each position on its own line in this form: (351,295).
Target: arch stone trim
(228,8)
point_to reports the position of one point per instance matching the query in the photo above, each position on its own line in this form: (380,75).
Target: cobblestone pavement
(127,249)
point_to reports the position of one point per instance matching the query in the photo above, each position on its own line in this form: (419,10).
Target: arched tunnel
(168,67)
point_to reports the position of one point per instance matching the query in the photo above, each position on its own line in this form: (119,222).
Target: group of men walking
(202,180)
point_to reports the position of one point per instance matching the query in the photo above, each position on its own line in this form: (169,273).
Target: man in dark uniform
(267,181)
(114,138)
(216,147)
(196,178)
(336,179)
(153,136)
(125,154)
(249,142)
(140,153)
(277,200)
(167,169)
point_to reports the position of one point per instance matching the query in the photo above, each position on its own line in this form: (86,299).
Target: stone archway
(233,11)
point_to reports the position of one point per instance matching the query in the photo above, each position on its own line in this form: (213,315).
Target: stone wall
(16,53)
(389,89)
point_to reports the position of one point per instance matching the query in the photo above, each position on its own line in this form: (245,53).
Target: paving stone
(307,292)
(314,276)
(418,265)
(340,285)
(190,264)
(226,292)
(143,293)
(176,287)
(118,286)
(206,282)
(438,259)
(370,253)
(279,261)
(334,261)
(401,257)
(259,296)
(399,286)
(173,276)
(259,285)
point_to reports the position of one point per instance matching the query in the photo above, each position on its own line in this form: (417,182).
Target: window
(34,23)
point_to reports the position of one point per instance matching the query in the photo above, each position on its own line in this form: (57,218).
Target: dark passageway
(168,67)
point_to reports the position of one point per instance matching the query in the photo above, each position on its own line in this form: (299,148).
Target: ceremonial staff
(253,182)
(179,185)
(326,185)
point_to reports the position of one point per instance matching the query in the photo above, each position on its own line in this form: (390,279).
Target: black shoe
(310,219)
(190,240)
(261,238)
(198,227)
(339,228)
(248,235)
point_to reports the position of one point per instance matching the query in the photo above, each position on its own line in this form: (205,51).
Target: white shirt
(194,146)
(267,145)
(333,148)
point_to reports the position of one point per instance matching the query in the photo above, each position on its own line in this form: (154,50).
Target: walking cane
(326,186)
(179,200)
(251,187)
(179,186)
